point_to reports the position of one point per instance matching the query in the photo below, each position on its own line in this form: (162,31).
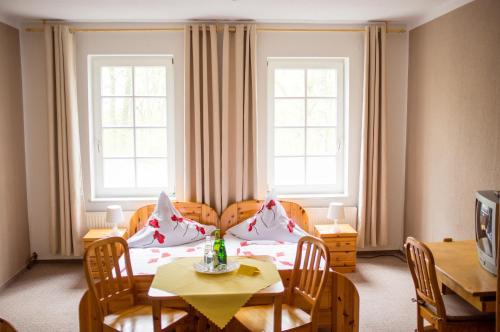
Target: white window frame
(96,158)
(340,64)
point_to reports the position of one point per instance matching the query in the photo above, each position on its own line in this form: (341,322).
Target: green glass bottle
(216,248)
(221,254)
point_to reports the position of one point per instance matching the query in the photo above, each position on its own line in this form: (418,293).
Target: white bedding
(145,261)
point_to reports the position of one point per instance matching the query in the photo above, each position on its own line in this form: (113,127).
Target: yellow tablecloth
(218,297)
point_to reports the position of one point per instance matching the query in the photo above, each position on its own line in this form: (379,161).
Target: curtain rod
(231,29)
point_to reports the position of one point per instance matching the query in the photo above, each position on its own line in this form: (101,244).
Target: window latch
(99,146)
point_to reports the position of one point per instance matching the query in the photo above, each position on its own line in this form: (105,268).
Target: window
(132,112)
(306,125)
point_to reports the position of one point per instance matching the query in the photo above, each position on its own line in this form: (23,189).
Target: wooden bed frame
(340,291)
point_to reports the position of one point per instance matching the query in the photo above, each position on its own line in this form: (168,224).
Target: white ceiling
(299,11)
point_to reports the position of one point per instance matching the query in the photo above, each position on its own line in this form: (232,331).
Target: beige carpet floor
(45,298)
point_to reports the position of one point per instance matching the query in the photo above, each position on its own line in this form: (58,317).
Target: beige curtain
(372,218)
(220,111)
(66,190)
(239,65)
(202,117)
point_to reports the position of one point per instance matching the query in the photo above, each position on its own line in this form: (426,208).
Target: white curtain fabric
(372,211)
(66,189)
(220,115)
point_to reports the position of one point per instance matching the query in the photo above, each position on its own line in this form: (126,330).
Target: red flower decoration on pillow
(271,204)
(200,229)
(154,223)
(177,219)
(252,225)
(159,237)
(290,225)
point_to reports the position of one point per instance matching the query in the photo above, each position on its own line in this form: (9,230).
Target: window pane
(118,142)
(321,141)
(289,141)
(289,171)
(152,172)
(116,81)
(289,83)
(322,112)
(118,173)
(322,82)
(150,81)
(289,112)
(150,112)
(321,170)
(117,112)
(151,142)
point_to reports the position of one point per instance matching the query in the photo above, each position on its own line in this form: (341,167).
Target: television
(486,219)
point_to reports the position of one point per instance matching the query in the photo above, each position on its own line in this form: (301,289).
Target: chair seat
(261,318)
(457,309)
(140,318)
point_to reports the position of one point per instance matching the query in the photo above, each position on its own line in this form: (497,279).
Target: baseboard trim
(379,252)
(60,260)
(13,278)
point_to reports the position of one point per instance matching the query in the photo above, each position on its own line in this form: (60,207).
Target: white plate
(202,268)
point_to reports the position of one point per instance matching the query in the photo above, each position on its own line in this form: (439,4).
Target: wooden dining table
(458,271)
(271,294)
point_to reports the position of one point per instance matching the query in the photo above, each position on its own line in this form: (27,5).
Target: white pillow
(167,228)
(269,223)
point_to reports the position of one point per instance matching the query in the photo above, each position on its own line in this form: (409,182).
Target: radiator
(316,216)
(98,219)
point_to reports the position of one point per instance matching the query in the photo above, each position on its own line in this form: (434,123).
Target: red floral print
(154,223)
(251,226)
(155,250)
(200,229)
(290,225)
(177,219)
(165,254)
(159,237)
(271,204)
(286,263)
(153,260)
(244,244)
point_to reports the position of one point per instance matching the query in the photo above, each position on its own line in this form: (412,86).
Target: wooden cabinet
(342,245)
(97,234)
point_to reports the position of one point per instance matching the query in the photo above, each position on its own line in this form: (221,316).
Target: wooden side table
(97,234)
(342,246)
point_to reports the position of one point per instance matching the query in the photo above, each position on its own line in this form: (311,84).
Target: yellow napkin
(217,296)
(248,270)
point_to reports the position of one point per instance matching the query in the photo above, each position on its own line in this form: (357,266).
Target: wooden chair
(307,283)
(445,312)
(5,326)
(115,294)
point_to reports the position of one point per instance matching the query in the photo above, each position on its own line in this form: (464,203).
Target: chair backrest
(102,256)
(310,273)
(5,326)
(423,271)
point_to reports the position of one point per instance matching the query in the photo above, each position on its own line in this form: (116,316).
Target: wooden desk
(458,270)
(273,294)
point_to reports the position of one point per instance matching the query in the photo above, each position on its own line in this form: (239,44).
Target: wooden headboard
(240,211)
(197,211)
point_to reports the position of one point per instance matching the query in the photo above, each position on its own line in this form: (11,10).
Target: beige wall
(14,239)
(453,140)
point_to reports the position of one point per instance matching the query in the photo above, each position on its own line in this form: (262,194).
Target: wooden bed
(340,290)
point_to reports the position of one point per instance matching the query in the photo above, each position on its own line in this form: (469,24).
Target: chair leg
(420,321)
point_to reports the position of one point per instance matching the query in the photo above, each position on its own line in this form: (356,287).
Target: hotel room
(237,165)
